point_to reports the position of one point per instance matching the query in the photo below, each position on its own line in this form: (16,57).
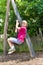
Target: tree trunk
(6,26)
(29,43)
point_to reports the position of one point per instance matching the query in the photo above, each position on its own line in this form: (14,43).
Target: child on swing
(20,37)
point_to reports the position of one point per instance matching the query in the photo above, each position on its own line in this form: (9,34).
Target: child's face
(24,24)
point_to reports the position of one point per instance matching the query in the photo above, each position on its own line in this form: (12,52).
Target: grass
(1,45)
(38,47)
(23,47)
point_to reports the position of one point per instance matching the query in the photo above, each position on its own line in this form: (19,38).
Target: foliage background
(30,10)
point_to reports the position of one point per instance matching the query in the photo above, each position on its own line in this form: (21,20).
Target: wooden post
(29,43)
(40,34)
(6,26)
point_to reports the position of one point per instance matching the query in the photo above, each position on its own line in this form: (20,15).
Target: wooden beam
(6,26)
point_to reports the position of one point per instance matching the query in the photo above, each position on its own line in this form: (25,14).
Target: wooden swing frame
(28,41)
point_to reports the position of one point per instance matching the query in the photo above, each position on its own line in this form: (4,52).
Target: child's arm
(17,23)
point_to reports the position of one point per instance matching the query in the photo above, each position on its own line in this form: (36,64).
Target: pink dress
(22,33)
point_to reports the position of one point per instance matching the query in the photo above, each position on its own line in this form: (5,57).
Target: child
(20,37)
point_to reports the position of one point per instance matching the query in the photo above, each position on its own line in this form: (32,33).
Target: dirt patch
(22,59)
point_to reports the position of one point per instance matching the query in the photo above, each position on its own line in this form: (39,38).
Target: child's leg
(11,42)
(12,48)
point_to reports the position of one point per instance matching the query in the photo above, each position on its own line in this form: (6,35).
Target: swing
(28,41)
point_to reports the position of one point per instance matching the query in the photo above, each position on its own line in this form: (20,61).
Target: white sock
(12,47)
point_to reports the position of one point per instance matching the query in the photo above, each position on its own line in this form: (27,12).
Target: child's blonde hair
(24,21)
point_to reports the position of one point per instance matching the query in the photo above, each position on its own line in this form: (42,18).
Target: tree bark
(6,26)
(29,43)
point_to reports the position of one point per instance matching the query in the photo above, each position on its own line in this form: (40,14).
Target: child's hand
(15,30)
(17,23)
